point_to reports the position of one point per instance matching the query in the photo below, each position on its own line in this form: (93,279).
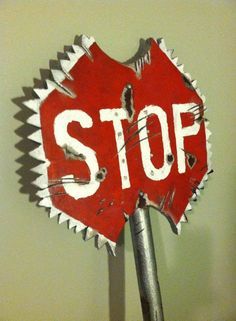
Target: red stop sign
(116,137)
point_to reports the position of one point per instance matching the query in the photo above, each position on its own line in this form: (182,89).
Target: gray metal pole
(146,267)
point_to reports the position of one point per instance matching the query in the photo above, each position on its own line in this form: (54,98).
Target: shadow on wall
(116,266)
(187,281)
(25,146)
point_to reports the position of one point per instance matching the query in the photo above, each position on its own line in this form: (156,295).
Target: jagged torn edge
(42,181)
(180,67)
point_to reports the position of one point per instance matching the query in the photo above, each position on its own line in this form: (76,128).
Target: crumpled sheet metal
(111,138)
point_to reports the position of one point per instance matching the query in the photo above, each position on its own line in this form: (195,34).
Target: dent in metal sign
(114,137)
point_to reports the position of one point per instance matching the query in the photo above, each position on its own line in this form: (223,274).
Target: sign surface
(114,137)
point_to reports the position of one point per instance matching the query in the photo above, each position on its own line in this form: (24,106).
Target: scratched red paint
(98,84)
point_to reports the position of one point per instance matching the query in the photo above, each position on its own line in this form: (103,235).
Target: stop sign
(114,137)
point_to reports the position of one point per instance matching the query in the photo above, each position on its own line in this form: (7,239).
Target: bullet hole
(127,102)
(111,203)
(152,173)
(102,201)
(170,158)
(123,160)
(191,160)
(119,134)
(101,174)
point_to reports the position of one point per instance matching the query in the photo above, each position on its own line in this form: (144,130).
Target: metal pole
(146,267)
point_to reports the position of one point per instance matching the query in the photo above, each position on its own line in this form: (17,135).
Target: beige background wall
(49,274)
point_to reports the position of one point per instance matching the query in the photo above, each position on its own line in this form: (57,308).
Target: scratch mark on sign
(187,82)
(133,135)
(136,143)
(171,199)
(67,180)
(136,122)
(65,90)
